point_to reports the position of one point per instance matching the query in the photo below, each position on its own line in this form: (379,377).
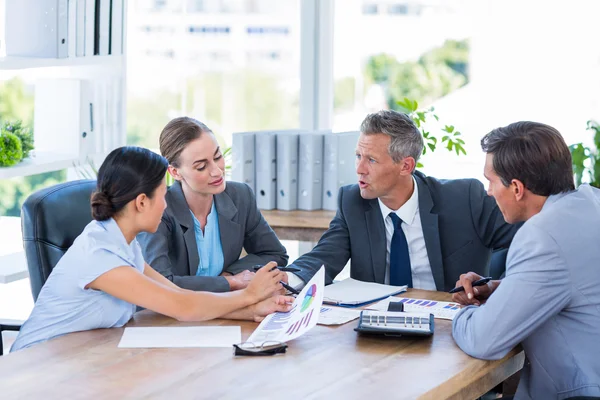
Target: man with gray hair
(400,227)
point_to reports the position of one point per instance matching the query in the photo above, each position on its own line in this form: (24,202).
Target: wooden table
(325,363)
(305,226)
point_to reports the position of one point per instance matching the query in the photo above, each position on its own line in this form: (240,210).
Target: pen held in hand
(283,269)
(288,287)
(479,282)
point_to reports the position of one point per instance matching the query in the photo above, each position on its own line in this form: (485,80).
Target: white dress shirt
(422,276)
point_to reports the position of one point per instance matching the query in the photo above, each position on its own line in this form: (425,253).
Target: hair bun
(102,207)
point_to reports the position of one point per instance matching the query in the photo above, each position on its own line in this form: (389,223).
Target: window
(481,64)
(235,73)
(268,30)
(215,30)
(370,9)
(400,9)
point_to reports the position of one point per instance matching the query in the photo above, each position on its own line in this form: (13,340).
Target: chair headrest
(58,214)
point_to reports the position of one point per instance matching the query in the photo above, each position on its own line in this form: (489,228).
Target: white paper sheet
(439,309)
(337,315)
(184,336)
(351,292)
(303,316)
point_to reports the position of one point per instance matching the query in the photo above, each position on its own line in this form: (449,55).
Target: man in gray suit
(549,300)
(401,227)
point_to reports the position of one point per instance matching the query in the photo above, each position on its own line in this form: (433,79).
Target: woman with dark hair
(103,276)
(208,221)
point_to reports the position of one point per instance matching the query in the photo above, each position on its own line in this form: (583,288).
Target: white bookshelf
(105,77)
(20,63)
(40,163)
(105,81)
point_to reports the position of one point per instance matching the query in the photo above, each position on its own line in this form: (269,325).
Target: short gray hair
(406,139)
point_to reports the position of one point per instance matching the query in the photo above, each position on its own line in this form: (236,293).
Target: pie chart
(309,297)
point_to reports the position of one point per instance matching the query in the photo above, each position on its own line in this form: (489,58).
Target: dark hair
(534,153)
(406,140)
(177,134)
(126,173)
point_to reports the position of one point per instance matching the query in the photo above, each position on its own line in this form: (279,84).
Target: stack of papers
(353,293)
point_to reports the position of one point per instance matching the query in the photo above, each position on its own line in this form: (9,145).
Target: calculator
(394,323)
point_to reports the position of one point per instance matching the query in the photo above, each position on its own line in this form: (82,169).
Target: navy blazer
(461,226)
(173,250)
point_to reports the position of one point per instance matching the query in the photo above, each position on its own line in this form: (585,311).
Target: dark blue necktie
(400,272)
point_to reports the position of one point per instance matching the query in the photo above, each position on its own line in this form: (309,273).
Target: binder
(242,158)
(102,32)
(80,29)
(116,27)
(338,165)
(90,27)
(310,170)
(37,28)
(287,170)
(265,157)
(64,116)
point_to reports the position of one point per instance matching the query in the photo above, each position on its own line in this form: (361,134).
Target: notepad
(184,336)
(353,293)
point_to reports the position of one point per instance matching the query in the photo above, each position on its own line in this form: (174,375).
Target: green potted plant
(16,143)
(450,136)
(587,159)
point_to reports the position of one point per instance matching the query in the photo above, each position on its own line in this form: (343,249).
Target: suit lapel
(228,229)
(431,233)
(182,213)
(377,240)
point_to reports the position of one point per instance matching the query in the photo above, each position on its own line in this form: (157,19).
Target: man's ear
(142,202)
(175,173)
(518,189)
(408,165)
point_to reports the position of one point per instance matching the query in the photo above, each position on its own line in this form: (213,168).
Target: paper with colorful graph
(303,316)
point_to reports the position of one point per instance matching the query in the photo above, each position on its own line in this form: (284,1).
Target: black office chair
(7,325)
(51,219)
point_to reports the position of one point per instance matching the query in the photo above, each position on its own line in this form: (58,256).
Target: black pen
(284,269)
(288,287)
(479,282)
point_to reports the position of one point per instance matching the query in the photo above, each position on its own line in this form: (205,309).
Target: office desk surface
(327,362)
(299,225)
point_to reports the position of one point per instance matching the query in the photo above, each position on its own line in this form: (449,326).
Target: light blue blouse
(64,305)
(209,245)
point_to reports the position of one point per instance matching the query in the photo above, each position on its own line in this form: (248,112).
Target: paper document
(184,336)
(353,293)
(303,316)
(337,315)
(439,309)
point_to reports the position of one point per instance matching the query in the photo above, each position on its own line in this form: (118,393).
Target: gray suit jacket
(173,250)
(549,301)
(461,226)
